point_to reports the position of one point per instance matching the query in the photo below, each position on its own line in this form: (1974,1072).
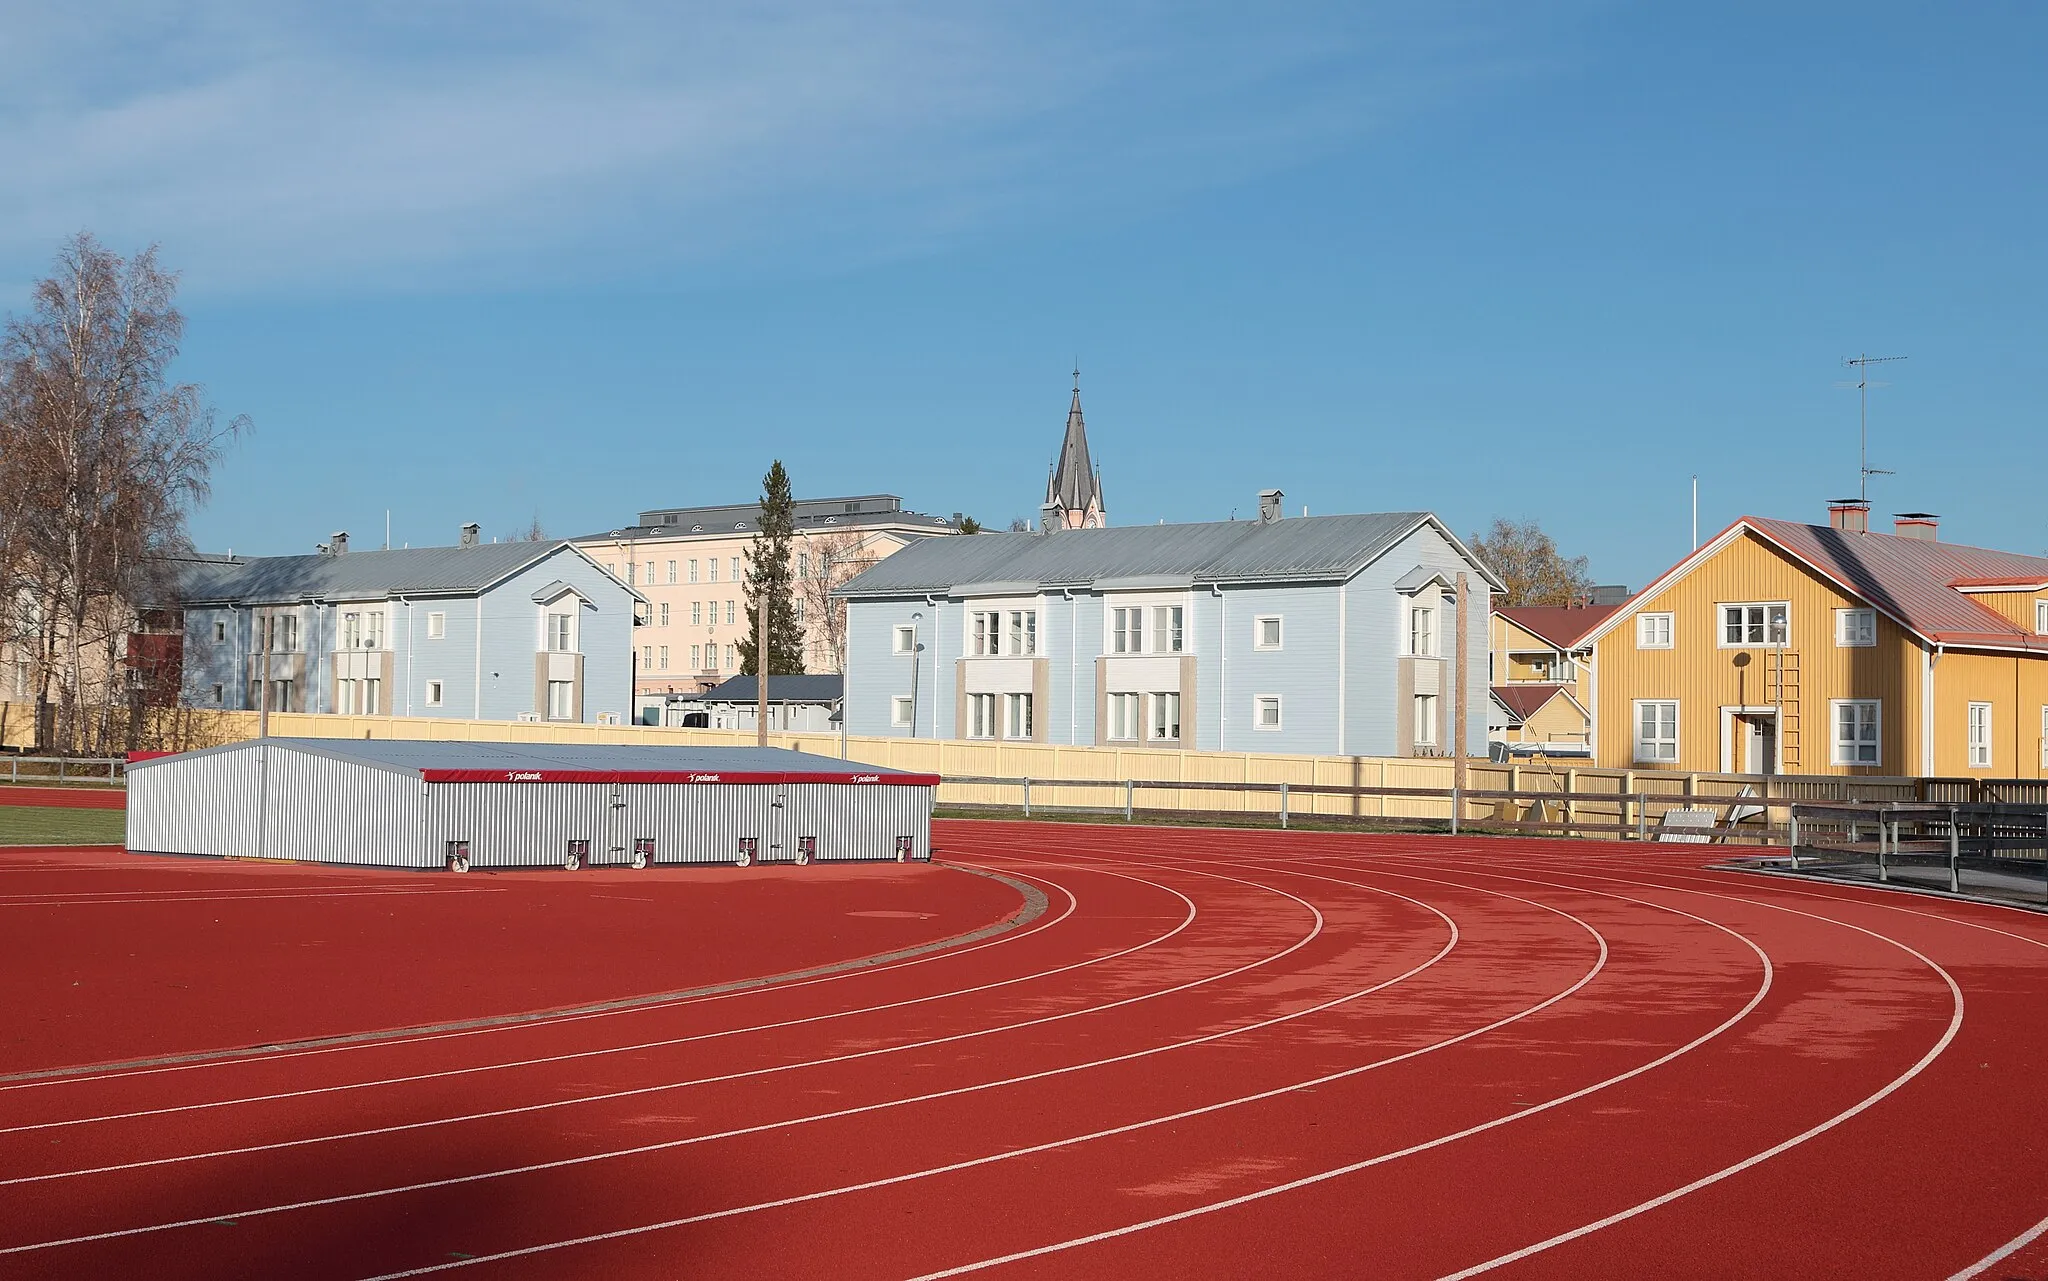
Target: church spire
(1075,486)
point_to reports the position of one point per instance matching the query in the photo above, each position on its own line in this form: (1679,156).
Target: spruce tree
(769,576)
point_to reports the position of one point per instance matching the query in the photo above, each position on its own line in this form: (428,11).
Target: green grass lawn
(49,825)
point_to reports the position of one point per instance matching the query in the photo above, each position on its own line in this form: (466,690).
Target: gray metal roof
(363,575)
(744,518)
(410,756)
(1307,547)
(781,689)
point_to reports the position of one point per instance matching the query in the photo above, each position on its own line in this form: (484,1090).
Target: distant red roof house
(1563,626)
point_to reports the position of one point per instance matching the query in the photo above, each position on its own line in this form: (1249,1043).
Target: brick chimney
(1849,514)
(1915,525)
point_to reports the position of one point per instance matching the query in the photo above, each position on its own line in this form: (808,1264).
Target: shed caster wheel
(802,859)
(639,859)
(458,864)
(571,863)
(743,860)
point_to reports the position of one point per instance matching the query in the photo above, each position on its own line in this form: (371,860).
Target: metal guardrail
(1633,810)
(112,770)
(2000,838)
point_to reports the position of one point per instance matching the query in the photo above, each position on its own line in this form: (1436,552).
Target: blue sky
(1491,259)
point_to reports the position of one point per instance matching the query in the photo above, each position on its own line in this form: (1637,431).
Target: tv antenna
(1861,364)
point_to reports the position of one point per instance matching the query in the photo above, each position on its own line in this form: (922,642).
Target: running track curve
(1212,1054)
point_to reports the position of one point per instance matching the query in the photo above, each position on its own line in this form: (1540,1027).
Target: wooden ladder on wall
(1783,689)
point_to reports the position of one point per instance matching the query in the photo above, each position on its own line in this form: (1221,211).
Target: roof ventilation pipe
(1051,519)
(470,534)
(339,547)
(1269,506)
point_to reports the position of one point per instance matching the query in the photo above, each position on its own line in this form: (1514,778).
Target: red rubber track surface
(1217,1053)
(69,798)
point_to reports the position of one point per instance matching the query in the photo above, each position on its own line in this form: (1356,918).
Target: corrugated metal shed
(1308,547)
(420,804)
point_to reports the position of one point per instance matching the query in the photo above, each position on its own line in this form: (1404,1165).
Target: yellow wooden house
(1538,659)
(1779,647)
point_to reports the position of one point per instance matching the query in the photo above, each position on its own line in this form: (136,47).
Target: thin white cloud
(268,147)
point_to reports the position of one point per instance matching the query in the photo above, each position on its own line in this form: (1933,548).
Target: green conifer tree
(769,575)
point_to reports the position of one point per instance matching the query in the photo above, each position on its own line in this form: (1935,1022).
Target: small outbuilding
(418,804)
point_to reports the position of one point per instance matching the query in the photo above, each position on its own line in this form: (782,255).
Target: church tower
(1074,490)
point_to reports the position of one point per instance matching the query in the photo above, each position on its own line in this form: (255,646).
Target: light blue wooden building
(1325,634)
(489,631)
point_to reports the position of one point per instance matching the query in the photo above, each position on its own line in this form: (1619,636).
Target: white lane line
(666,1086)
(1011,936)
(1304,941)
(568,1056)
(1599,963)
(1763,989)
(1955,1025)
(2002,1253)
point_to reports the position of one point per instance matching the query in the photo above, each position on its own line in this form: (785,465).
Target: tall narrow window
(729,614)
(664,613)
(560,637)
(671,571)
(696,658)
(632,573)
(1425,720)
(1980,736)
(351,631)
(731,663)
(693,569)
(1656,731)
(434,693)
(1166,629)
(1023,634)
(1123,717)
(1422,631)
(984,628)
(1127,630)
(662,658)
(981,715)
(696,613)
(373,697)
(561,700)
(1856,731)
(2041,617)
(735,569)
(1016,716)
(1166,718)
(711,564)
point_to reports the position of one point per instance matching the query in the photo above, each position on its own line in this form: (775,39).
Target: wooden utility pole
(1459,681)
(761,670)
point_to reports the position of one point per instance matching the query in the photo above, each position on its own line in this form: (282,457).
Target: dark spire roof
(1073,483)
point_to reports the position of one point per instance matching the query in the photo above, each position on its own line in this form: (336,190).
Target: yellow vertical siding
(2016,686)
(1703,678)
(2018,607)
(1557,721)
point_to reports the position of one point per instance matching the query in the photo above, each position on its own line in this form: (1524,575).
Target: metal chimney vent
(1269,505)
(471,534)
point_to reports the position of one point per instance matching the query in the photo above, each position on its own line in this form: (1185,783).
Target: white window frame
(1979,745)
(1127,629)
(1425,714)
(1849,750)
(902,709)
(981,716)
(558,631)
(1855,628)
(664,613)
(1721,640)
(1655,631)
(671,573)
(220,632)
(661,657)
(437,625)
(1126,717)
(1422,630)
(1260,702)
(905,639)
(1022,637)
(1655,755)
(696,613)
(2044,733)
(1169,629)
(434,693)
(1164,725)
(564,707)
(1259,632)
(1017,713)
(711,563)
(2041,617)
(693,569)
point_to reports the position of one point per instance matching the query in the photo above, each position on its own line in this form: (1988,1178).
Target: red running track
(1212,1053)
(69,798)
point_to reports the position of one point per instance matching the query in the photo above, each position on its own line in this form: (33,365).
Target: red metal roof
(1524,701)
(1562,626)
(1914,579)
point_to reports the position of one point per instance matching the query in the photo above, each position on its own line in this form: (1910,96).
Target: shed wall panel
(326,811)
(860,822)
(195,805)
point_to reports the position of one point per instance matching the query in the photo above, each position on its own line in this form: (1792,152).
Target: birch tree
(111,455)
